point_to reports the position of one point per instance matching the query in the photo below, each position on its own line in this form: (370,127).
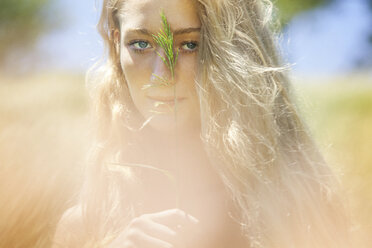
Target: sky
(77,44)
(329,40)
(324,41)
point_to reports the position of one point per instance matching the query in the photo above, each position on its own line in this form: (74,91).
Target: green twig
(165,40)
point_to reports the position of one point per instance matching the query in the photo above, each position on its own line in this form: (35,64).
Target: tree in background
(369,59)
(289,8)
(22,22)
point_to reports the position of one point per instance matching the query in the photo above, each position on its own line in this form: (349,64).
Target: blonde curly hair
(285,193)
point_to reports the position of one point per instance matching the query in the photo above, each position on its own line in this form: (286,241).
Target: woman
(208,153)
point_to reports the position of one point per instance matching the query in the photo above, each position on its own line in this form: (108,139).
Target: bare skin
(169,228)
(201,197)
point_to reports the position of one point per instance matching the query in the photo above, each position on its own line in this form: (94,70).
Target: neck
(176,150)
(183,156)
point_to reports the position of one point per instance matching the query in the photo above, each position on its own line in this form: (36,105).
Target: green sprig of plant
(164,39)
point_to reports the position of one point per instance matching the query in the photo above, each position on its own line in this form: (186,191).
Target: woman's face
(142,66)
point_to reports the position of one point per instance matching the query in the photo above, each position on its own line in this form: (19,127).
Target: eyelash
(141,51)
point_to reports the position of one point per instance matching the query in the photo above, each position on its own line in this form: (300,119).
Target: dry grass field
(43,138)
(339,113)
(44,134)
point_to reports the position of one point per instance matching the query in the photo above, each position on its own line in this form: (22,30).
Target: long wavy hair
(284,191)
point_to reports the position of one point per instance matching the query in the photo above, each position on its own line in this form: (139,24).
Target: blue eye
(140,45)
(189,46)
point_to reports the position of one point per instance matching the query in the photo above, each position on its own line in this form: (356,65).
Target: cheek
(187,75)
(187,64)
(135,69)
(187,72)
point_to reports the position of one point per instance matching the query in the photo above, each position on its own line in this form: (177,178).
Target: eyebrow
(176,32)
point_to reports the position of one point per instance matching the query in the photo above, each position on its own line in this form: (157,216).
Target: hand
(172,228)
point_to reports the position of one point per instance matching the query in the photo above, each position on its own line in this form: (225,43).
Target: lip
(166,99)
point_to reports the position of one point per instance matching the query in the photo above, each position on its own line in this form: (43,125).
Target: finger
(160,231)
(142,240)
(173,218)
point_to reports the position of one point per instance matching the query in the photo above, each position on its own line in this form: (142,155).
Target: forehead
(146,14)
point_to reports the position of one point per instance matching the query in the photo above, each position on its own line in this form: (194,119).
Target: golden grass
(44,136)
(43,131)
(339,113)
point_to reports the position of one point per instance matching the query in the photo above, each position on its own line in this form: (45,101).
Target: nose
(161,73)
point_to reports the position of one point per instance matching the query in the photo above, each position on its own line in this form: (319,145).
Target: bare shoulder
(69,228)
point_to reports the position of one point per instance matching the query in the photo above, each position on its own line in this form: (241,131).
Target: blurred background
(46,46)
